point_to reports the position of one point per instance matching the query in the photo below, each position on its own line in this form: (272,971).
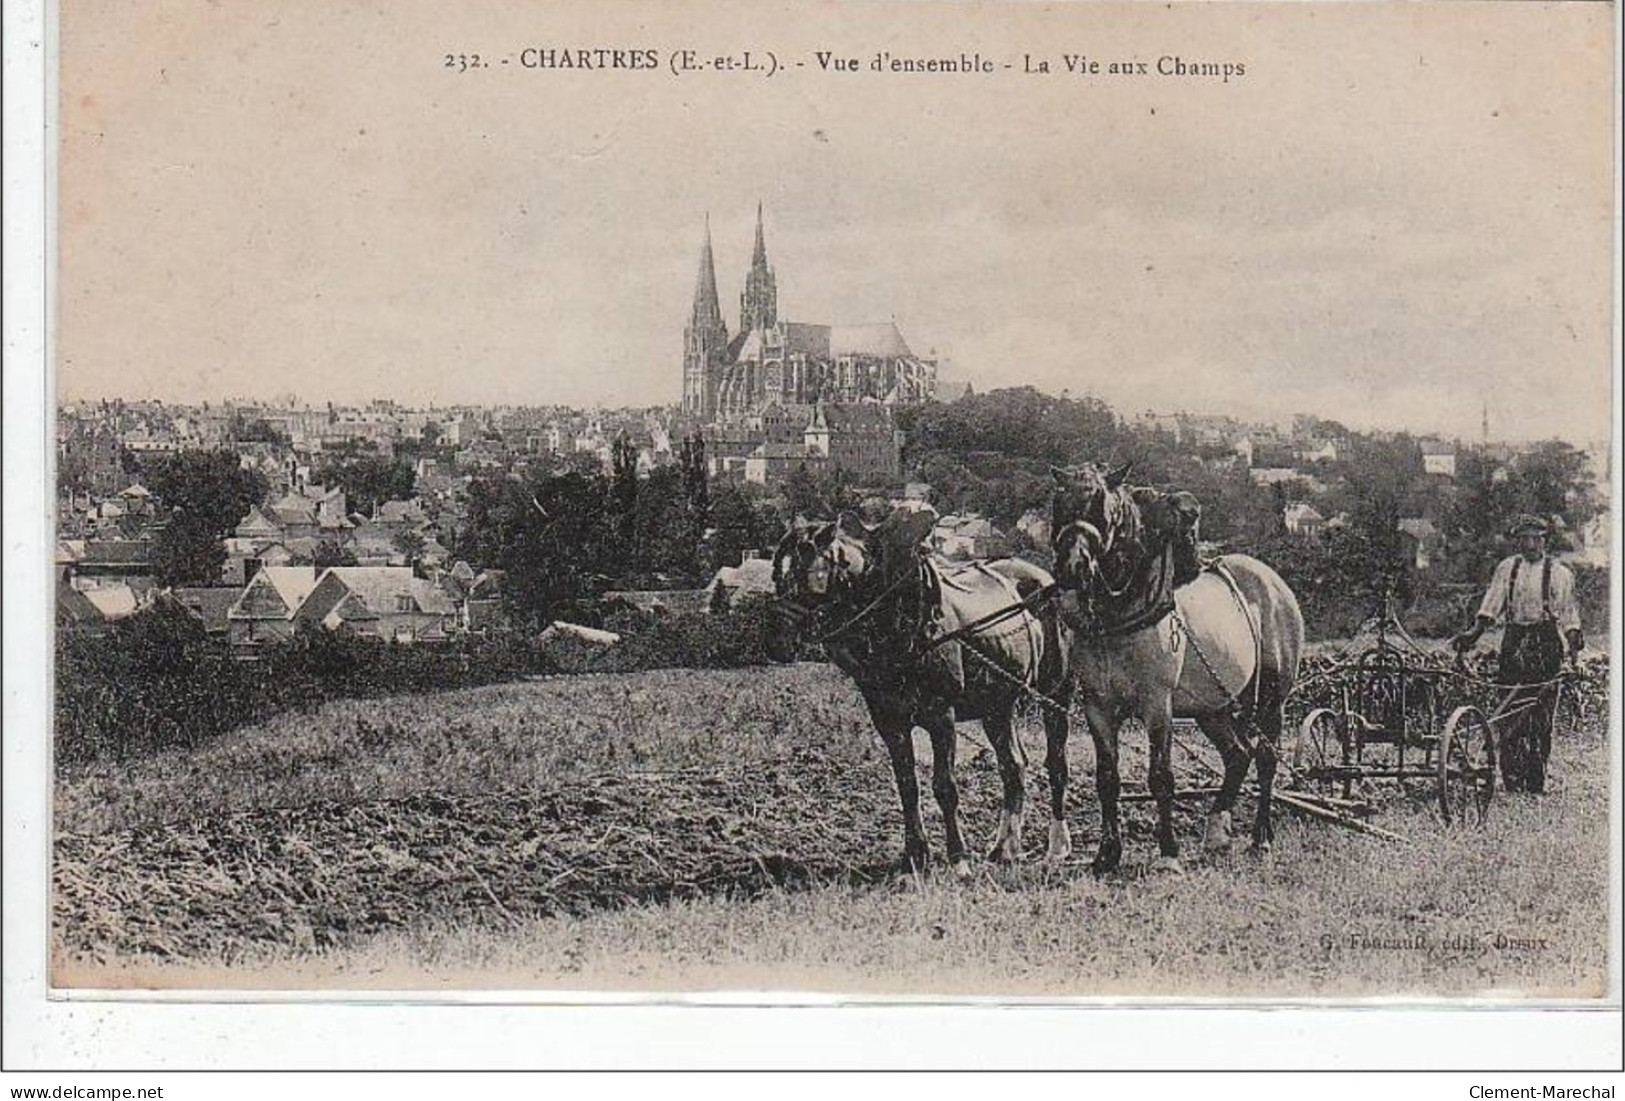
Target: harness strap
(1148,618)
(1252,628)
(867,610)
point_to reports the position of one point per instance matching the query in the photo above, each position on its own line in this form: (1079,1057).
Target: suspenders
(1545,586)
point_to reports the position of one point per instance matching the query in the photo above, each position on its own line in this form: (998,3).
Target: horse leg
(1268,720)
(1108,784)
(1007,842)
(1220,728)
(944,746)
(897,731)
(1055,735)
(1159,724)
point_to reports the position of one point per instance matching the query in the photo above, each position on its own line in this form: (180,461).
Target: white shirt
(1523,605)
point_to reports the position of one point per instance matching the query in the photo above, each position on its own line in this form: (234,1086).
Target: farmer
(1533,594)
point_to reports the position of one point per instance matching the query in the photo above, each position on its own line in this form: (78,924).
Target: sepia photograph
(923,500)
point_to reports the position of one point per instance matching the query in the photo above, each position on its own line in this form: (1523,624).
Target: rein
(868,610)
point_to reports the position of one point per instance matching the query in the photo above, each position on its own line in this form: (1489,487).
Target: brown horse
(929,644)
(1153,644)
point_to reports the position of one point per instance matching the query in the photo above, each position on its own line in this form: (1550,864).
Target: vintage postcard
(959,500)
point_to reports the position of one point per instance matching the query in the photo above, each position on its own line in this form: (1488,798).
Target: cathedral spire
(705,339)
(759,305)
(707,310)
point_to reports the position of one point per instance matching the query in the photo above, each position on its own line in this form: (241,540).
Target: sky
(1399,216)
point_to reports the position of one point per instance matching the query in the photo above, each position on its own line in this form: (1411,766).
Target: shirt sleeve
(1495,597)
(1564,606)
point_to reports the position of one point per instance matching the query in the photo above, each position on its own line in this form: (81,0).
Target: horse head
(1090,509)
(816,565)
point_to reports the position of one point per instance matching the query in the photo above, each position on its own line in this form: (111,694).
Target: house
(384,602)
(1034,524)
(1272,475)
(1439,458)
(1302,519)
(373,544)
(295,516)
(107,560)
(731,584)
(264,613)
(960,538)
(402,515)
(482,609)
(1592,542)
(114,602)
(1317,451)
(75,612)
(1422,541)
(137,500)
(774,462)
(662,601)
(210,606)
(257,527)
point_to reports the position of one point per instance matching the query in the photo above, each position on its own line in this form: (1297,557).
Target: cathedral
(729,379)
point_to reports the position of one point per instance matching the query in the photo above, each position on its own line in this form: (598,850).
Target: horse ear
(908,527)
(1061,477)
(1117,477)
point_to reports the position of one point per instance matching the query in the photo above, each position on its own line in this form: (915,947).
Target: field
(736,830)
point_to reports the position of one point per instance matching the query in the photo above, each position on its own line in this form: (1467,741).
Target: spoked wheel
(1318,750)
(1466,767)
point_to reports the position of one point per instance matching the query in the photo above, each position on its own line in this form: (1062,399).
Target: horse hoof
(1218,831)
(960,868)
(1168,864)
(1060,842)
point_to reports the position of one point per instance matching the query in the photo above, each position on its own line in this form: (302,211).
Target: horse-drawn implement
(1383,719)
(1396,712)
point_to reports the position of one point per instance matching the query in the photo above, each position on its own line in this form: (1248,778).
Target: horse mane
(1141,555)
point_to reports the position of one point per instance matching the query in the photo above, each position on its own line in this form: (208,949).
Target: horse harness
(1234,700)
(932,580)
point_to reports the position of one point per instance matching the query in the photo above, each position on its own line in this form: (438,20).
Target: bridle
(842,586)
(1098,546)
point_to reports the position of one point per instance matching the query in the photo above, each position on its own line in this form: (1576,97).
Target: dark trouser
(1530,656)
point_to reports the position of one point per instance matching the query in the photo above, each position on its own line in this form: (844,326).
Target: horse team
(1131,625)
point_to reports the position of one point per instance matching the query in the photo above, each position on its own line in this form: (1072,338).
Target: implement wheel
(1318,749)
(1466,767)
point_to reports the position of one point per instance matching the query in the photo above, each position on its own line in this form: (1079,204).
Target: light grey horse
(1152,642)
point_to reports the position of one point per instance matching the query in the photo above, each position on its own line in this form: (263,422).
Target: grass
(1300,924)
